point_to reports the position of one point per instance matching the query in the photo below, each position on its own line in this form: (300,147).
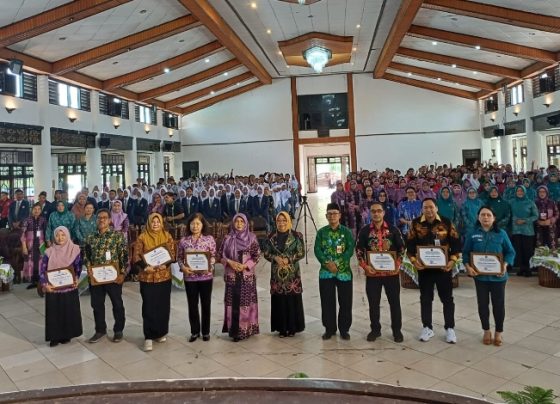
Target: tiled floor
(530,354)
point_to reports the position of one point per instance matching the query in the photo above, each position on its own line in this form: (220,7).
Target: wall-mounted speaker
(499,132)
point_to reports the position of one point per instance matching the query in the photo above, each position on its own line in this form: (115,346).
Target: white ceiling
(434,81)
(225,90)
(12,11)
(546,7)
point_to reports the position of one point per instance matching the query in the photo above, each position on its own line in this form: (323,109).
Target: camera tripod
(306,213)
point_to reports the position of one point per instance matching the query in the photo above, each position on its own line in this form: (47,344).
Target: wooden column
(295,127)
(351,122)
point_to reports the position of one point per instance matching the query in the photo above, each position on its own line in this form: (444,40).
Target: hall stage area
(530,354)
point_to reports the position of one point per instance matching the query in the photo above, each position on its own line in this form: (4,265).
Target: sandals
(487,338)
(498,340)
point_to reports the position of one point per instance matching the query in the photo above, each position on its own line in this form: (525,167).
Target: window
(113,106)
(547,82)
(22,85)
(170,120)
(491,104)
(67,95)
(514,95)
(145,114)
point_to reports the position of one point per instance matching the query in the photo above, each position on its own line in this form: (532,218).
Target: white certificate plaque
(102,274)
(487,263)
(61,278)
(158,256)
(382,261)
(197,261)
(432,256)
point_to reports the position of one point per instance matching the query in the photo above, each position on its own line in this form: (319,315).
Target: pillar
(157,166)
(93,167)
(131,164)
(42,163)
(506,150)
(536,143)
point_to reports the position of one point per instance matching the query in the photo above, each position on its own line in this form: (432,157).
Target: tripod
(306,213)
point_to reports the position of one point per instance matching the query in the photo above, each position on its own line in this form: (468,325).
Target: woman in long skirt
(155,281)
(240,253)
(284,249)
(63,319)
(32,237)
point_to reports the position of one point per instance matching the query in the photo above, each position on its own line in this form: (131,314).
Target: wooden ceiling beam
(491,45)
(403,21)
(431,86)
(53,19)
(158,68)
(202,10)
(499,14)
(211,101)
(452,78)
(205,91)
(190,80)
(461,63)
(131,42)
(527,73)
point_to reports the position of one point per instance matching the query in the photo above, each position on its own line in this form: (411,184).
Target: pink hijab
(118,218)
(62,255)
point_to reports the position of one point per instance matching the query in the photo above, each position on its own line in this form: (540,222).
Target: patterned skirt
(241,310)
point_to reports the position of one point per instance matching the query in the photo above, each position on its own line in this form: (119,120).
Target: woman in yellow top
(155,281)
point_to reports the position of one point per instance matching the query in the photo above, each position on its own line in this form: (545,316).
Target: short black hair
(430,199)
(104,210)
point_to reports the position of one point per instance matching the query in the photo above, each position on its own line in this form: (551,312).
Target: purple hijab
(118,218)
(237,241)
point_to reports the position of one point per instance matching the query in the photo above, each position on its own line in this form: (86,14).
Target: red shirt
(5,208)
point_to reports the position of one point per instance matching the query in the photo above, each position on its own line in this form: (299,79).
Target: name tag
(38,233)
(339,249)
(108,255)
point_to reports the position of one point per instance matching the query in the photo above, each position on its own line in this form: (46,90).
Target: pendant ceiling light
(317,57)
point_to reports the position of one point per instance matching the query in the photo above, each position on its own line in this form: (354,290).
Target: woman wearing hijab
(86,225)
(155,281)
(284,249)
(104,202)
(32,236)
(240,253)
(500,207)
(339,197)
(447,206)
(546,223)
(426,191)
(60,217)
(367,201)
(487,237)
(63,319)
(198,284)
(390,210)
(119,219)
(79,205)
(531,192)
(459,195)
(524,213)
(156,206)
(469,211)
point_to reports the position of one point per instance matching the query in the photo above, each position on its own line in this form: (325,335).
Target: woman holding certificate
(240,253)
(60,268)
(486,253)
(284,249)
(196,256)
(153,254)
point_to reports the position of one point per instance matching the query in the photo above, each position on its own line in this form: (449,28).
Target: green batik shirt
(97,246)
(336,246)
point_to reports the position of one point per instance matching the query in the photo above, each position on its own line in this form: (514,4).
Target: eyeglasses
(332,213)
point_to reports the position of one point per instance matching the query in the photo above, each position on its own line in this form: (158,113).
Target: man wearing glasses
(334,246)
(102,248)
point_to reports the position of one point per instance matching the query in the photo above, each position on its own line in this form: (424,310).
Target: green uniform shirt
(336,246)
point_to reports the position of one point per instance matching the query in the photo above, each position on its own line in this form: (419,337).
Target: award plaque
(102,274)
(198,260)
(61,278)
(432,256)
(157,256)
(383,260)
(487,263)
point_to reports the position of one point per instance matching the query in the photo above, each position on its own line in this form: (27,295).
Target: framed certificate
(102,274)
(158,256)
(382,260)
(198,260)
(61,278)
(487,263)
(432,256)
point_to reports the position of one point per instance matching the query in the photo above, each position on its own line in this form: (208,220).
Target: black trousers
(98,294)
(524,249)
(443,281)
(328,289)
(495,291)
(199,290)
(392,291)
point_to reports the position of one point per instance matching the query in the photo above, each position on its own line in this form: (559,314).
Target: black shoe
(398,337)
(372,336)
(345,336)
(31,286)
(96,337)
(118,337)
(282,335)
(194,337)
(236,339)
(291,334)
(326,336)
(40,291)
(65,341)
(206,337)
(528,274)
(53,344)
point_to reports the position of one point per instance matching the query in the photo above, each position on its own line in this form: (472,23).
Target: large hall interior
(115,94)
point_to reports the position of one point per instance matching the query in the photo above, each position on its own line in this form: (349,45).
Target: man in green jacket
(334,246)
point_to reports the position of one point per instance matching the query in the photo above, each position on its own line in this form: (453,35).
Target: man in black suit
(211,208)
(238,205)
(190,203)
(45,205)
(19,210)
(226,197)
(140,209)
(128,204)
